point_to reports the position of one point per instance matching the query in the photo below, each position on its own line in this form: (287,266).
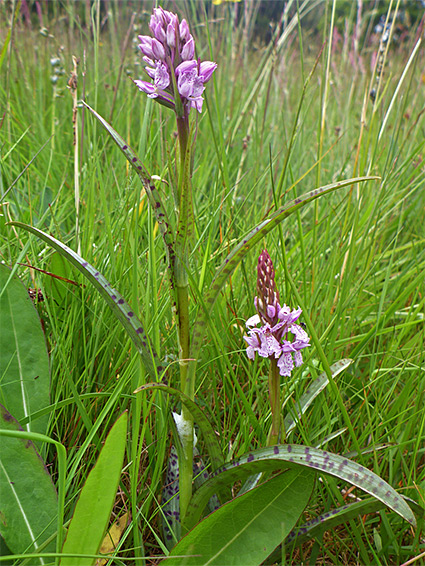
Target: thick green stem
(182,293)
(275,403)
(183,131)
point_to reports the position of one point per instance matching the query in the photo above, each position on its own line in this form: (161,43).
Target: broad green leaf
(122,310)
(29,505)
(24,362)
(314,389)
(201,420)
(244,531)
(243,248)
(287,455)
(93,510)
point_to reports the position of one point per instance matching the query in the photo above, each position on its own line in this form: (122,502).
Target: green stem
(275,403)
(183,131)
(182,295)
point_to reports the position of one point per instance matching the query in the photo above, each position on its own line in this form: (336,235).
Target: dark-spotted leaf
(93,510)
(24,362)
(317,526)
(122,310)
(246,530)
(287,455)
(28,506)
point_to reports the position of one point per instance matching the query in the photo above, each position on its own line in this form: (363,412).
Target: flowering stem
(275,404)
(182,294)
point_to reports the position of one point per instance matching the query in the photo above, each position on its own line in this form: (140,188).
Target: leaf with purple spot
(266,460)
(153,196)
(112,297)
(170,510)
(317,526)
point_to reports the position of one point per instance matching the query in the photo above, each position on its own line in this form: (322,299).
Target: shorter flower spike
(279,336)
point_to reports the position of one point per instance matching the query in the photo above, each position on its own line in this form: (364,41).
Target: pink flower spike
(272,339)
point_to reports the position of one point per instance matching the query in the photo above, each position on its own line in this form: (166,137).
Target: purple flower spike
(274,338)
(171,51)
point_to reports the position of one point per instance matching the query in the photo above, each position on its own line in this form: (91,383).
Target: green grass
(357,256)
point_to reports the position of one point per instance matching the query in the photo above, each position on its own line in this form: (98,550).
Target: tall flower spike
(170,53)
(278,337)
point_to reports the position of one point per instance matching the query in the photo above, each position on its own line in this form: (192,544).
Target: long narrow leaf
(122,310)
(282,456)
(317,526)
(153,196)
(94,506)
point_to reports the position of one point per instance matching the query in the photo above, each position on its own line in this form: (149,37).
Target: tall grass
(357,257)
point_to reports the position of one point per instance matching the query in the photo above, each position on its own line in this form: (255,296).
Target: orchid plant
(177,82)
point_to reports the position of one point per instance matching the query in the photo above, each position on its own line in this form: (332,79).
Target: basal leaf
(24,362)
(284,455)
(244,531)
(93,510)
(122,310)
(317,526)
(29,505)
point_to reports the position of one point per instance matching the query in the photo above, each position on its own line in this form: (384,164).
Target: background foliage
(357,256)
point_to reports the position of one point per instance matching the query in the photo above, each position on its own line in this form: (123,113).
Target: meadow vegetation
(279,119)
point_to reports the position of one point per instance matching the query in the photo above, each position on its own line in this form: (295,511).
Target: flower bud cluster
(169,56)
(278,336)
